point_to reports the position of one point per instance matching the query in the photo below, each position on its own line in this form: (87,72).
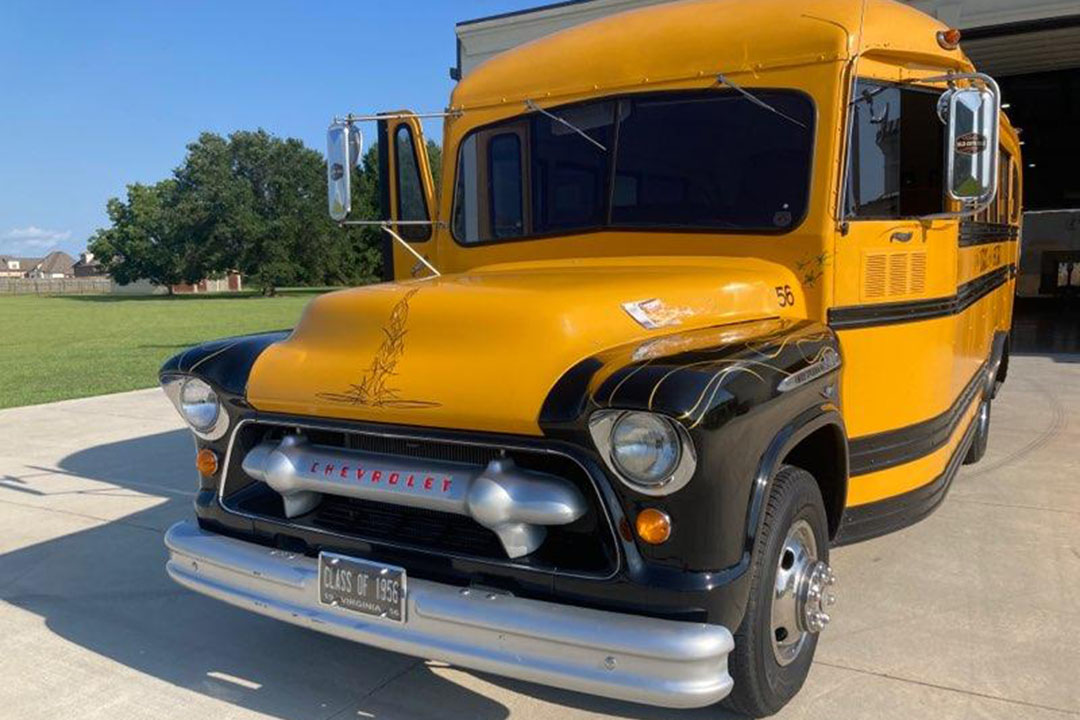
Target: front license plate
(364,587)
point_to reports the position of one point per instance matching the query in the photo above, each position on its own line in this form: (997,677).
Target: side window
(1003,189)
(505,185)
(896,157)
(999,211)
(410,191)
(466,226)
(1017,208)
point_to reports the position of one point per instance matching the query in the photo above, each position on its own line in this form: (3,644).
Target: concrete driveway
(972,613)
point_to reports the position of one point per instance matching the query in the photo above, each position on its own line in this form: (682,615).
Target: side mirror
(344,151)
(972,117)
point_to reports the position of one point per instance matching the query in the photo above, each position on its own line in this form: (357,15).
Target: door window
(896,156)
(410,190)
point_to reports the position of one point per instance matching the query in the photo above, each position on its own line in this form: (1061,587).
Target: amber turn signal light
(206,462)
(653,526)
(949,39)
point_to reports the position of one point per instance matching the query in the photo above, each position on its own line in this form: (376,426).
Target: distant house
(13,267)
(54,266)
(88,266)
(232,282)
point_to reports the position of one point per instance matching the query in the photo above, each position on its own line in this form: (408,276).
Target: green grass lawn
(56,348)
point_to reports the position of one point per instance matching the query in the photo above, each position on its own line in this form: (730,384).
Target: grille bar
(381,521)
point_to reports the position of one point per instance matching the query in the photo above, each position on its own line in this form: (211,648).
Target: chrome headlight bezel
(602,427)
(211,430)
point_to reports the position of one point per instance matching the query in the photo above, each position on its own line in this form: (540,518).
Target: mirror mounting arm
(354,118)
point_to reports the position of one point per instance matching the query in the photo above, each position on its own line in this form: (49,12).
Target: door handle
(901,237)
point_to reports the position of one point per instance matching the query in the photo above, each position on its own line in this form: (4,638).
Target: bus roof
(691,38)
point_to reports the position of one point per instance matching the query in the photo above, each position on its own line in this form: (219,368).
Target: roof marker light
(949,39)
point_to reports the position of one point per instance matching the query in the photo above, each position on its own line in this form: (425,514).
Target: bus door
(895,272)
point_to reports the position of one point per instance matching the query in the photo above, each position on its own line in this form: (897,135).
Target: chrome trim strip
(307,425)
(667,663)
(828,361)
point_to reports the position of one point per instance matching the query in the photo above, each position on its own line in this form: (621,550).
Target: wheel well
(823,454)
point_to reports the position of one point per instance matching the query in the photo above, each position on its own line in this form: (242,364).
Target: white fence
(75,286)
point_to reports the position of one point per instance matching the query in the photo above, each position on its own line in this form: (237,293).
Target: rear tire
(982,434)
(773,647)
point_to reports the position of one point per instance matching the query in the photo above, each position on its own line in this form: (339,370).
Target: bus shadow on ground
(105,589)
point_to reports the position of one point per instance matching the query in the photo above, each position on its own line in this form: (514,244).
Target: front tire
(790,589)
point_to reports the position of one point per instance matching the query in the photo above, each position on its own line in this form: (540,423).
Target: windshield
(690,161)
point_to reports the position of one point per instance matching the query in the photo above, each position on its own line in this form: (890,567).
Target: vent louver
(893,275)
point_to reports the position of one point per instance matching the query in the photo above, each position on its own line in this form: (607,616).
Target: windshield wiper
(722,80)
(533,106)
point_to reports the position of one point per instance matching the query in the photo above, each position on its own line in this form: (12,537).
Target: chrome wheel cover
(801,594)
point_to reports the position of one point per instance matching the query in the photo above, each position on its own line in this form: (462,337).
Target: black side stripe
(871,453)
(977,233)
(864,522)
(863,316)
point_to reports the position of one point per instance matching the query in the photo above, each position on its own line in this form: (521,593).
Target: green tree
(251,203)
(142,242)
(257,204)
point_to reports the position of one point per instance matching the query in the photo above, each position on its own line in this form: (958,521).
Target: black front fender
(743,392)
(225,364)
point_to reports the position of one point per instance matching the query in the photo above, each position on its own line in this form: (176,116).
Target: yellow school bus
(710,287)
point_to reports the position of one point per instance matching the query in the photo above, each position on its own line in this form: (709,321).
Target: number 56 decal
(785,295)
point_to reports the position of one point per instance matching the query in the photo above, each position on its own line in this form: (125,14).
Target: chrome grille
(586,547)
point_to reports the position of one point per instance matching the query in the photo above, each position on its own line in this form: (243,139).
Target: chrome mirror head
(344,151)
(971,116)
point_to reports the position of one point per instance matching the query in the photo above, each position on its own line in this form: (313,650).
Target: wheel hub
(818,598)
(802,593)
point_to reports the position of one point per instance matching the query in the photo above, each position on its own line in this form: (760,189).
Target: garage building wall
(1038,34)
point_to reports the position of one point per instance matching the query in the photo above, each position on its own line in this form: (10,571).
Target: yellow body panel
(480,348)
(910,476)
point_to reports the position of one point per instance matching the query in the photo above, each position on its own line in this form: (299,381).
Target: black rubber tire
(982,435)
(763,686)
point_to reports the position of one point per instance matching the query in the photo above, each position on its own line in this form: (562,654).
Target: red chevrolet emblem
(428,483)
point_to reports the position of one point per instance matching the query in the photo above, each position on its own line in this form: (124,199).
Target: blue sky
(97,95)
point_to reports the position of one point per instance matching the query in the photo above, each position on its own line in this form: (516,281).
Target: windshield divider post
(616,122)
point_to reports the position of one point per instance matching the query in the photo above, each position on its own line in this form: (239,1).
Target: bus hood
(481,350)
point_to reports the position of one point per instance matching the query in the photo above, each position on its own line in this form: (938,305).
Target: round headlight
(199,404)
(645,448)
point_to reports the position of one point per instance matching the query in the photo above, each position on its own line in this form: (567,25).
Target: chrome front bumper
(657,662)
